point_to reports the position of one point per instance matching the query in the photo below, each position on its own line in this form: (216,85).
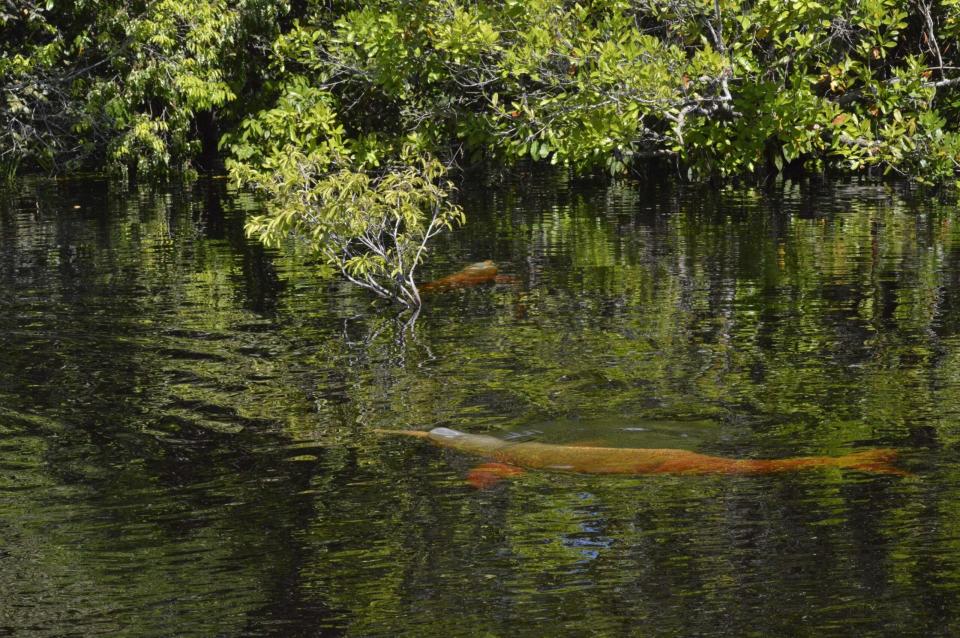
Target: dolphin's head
(475,443)
(445,433)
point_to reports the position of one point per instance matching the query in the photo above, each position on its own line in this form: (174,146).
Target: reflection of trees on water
(826,283)
(146,476)
(192,413)
(812,329)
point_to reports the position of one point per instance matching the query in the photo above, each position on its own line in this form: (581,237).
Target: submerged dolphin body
(509,456)
(474,274)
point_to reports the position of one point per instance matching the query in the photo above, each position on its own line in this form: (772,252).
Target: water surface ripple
(186,443)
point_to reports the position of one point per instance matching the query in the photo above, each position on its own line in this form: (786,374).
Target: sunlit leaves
(718,88)
(119,86)
(373,227)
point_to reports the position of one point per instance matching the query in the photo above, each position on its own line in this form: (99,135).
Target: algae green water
(186,419)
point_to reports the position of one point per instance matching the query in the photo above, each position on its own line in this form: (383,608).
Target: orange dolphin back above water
(479,273)
(508,457)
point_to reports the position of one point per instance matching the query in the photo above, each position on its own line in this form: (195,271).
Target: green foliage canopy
(722,88)
(131,87)
(329,106)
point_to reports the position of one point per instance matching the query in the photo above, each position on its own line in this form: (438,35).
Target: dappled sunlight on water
(186,420)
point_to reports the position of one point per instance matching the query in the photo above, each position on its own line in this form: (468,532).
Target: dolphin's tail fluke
(878,461)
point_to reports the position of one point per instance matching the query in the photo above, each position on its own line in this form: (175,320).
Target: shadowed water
(186,420)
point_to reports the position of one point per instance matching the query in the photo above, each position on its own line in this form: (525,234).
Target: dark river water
(186,419)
